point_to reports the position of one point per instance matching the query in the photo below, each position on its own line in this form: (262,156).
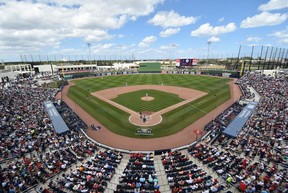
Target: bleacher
(36,158)
(139,174)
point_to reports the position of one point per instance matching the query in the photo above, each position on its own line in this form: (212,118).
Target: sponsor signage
(144,131)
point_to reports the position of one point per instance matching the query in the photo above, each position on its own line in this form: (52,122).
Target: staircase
(112,185)
(161,175)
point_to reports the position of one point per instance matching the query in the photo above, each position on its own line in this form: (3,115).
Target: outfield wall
(154,68)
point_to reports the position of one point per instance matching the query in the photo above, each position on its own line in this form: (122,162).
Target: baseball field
(116,120)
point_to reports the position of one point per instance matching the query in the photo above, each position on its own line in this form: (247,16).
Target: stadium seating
(34,156)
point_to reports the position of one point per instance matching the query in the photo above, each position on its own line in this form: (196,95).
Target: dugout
(149,67)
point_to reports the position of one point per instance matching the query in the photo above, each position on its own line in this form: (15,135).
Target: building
(12,71)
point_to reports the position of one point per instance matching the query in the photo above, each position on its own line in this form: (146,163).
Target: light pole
(209,43)
(89,46)
(172,52)
(120,49)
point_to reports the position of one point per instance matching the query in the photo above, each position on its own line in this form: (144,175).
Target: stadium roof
(237,124)
(58,123)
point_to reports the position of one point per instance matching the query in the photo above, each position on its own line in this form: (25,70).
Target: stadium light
(89,46)
(209,43)
(172,52)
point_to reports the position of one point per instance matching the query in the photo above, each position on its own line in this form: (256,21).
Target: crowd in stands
(23,118)
(245,89)
(32,152)
(90,176)
(71,119)
(185,176)
(255,161)
(139,175)
(217,125)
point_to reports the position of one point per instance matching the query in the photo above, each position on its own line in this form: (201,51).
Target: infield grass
(132,100)
(117,121)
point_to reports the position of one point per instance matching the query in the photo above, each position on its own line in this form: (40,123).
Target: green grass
(117,121)
(133,100)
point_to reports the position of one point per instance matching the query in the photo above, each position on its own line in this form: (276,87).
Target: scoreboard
(186,62)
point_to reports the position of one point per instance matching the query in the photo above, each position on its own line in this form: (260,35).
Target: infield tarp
(237,124)
(59,124)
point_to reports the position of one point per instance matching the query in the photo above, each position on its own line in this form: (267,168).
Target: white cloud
(96,35)
(38,24)
(169,32)
(165,47)
(221,19)
(168,47)
(167,19)
(214,39)
(264,19)
(66,52)
(282,36)
(98,48)
(39,16)
(251,45)
(147,41)
(112,14)
(253,39)
(31,39)
(208,30)
(273,5)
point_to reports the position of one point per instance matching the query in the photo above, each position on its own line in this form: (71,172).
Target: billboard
(186,62)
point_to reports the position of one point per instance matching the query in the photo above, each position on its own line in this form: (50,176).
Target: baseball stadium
(144,128)
(143,96)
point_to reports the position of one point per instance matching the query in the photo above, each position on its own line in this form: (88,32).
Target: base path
(184,137)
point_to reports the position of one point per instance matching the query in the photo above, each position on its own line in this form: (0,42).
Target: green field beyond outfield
(117,121)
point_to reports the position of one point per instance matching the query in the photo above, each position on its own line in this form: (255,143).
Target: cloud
(10,39)
(98,48)
(96,35)
(39,16)
(282,36)
(274,5)
(251,45)
(45,23)
(167,19)
(147,41)
(208,30)
(221,19)
(112,14)
(264,19)
(214,39)
(253,39)
(66,52)
(169,32)
(168,47)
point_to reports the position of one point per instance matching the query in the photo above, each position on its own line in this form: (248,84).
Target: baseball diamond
(172,127)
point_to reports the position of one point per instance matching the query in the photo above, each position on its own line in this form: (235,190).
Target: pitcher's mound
(147,98)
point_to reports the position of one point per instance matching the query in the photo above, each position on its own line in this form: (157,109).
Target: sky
(38,30)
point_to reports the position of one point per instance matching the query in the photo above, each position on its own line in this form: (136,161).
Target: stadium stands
(34,156)
(139,174)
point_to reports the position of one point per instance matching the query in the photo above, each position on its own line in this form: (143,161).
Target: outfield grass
(117,121)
